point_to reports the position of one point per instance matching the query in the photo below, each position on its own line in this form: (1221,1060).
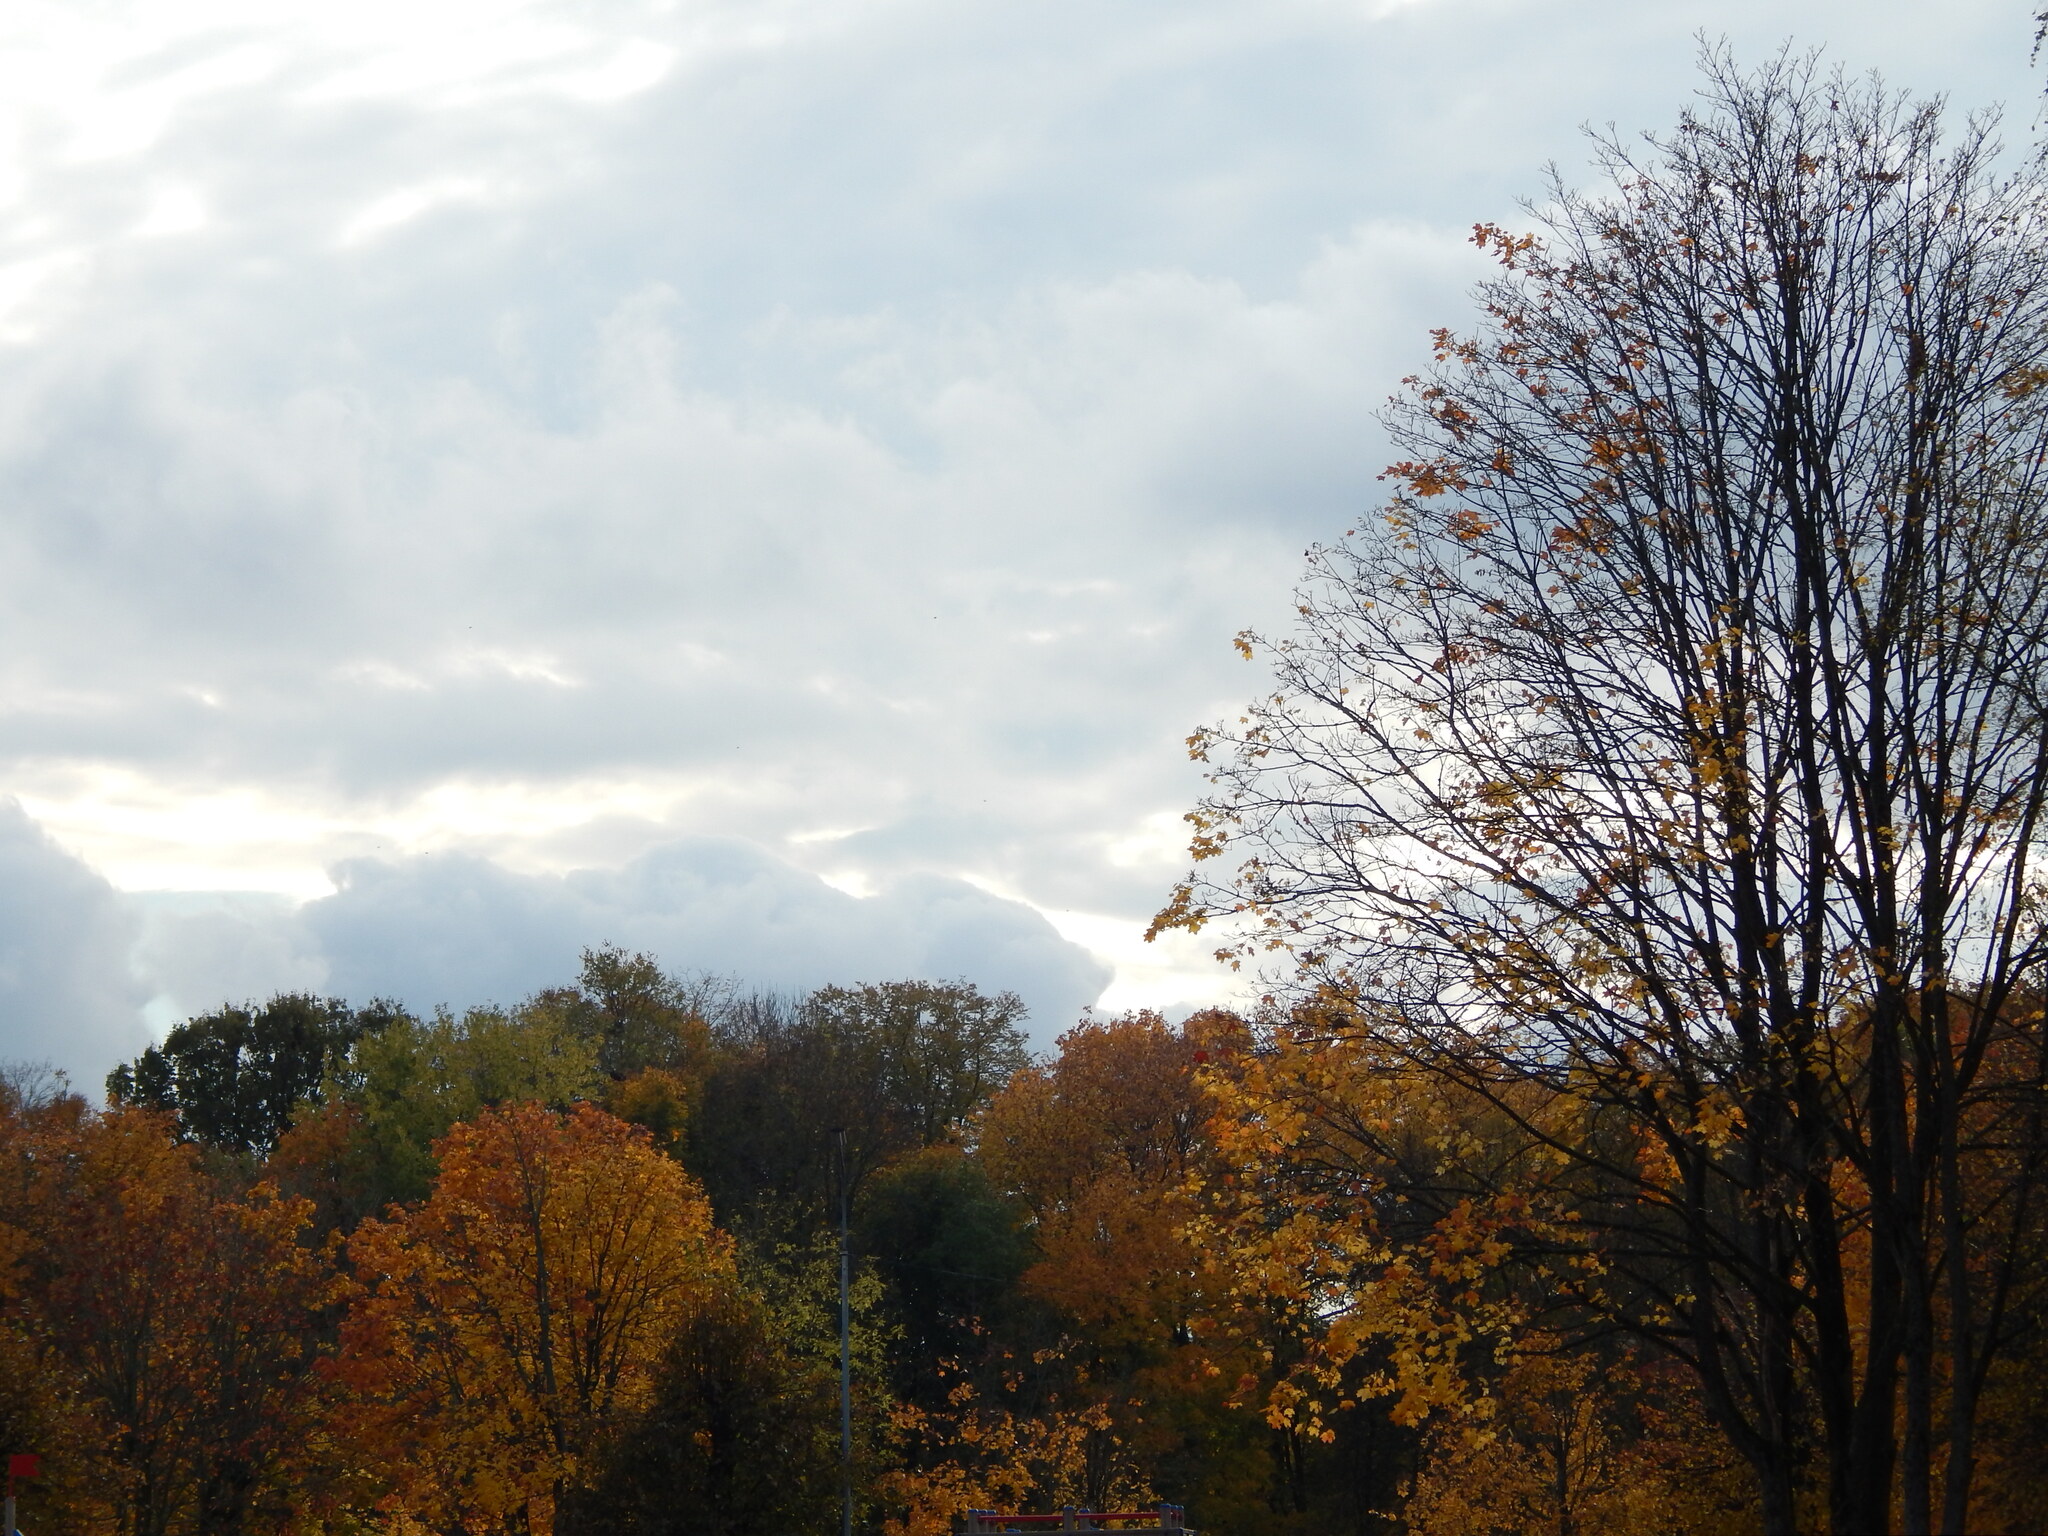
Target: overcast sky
(768,483)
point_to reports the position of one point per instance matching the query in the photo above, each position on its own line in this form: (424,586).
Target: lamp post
(845,1350)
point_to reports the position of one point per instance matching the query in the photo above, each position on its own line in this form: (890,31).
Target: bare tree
(1677,742)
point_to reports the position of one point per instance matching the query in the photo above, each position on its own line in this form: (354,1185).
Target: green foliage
(795,1281)
(234,1077)
(416,1079)
(897,1066)
(950,1250)
(937,1051)
(632,1015)
(740,1440)
(643,1016)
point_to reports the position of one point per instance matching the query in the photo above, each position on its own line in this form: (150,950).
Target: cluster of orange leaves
(502,1327)
(194,1358)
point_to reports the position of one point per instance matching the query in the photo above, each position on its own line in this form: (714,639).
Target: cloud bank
(67,994)
(454,929)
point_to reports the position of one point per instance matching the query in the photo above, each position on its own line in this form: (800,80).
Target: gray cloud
(452,928)
(67,996)
(456,929)
(88,974)
(198,949)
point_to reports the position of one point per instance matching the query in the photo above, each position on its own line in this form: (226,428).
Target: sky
(770,484)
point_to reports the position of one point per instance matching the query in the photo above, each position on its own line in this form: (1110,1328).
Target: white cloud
(173,210)
(391,209)
(637,66)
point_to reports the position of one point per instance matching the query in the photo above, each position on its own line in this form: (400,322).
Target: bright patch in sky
(772,483)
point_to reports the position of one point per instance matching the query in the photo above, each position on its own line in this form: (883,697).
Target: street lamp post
(845,1349)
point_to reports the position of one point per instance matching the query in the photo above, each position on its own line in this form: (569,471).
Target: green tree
(950,1251)
(412,1082)
(234,1078)
(628,1037)
(408,1084)
(896,1066)
(740,1439)
(646,1017)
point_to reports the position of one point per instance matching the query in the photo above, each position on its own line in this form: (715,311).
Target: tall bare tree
(1676,741)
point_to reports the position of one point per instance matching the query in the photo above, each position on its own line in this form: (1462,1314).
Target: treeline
(573,1266)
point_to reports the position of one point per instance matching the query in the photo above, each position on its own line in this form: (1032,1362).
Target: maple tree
(1658,791)
(1100,1143)
(1110,1145)
(506,1327)
(1578,1446)
(42,1410)
(1009,1444)
(180,1319)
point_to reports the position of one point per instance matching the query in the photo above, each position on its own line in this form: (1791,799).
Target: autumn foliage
(506,1325)
(1644,832)
(160,1318)
(1256,1265)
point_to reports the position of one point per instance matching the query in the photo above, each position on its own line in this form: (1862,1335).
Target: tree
(1578,1446)
(43,1409)
(405,1087)
(183,1323)
(1008,1443)
(234,1077)
(1099,1144)
(950,1251)
(739,1438)
(898,1065)
(1107,1146)
(793,1285)
(1667,772)
(629,1037)
(508,1327)
(647,1018)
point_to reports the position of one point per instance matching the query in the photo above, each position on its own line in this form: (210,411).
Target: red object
(1082,1514)
(24,1464)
